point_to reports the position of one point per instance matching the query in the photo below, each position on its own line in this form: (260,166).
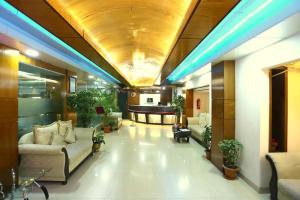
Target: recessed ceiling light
(163,87)
(91,77)
(11,52)
(32,53)
(157,91)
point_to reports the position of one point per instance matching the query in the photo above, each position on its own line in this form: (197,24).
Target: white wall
(252,106)
(293,111)
(143,99)
(204,102)
(203,80)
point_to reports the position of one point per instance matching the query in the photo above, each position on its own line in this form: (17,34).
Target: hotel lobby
(149,100)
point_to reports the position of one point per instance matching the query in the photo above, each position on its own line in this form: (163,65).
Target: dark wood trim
(274,179)
(66,169)
(285,145)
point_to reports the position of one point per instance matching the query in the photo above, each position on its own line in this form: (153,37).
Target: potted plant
(178,106)
(98,139)
(231,153)
(108,122)
(83,103)
(207,141)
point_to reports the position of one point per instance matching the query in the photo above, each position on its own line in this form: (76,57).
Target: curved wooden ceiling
(135,36)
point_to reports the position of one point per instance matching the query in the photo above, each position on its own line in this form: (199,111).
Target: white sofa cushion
(63,126)
(58,140)
(43,134)
(78,151)
(290,188)
(27,138)
(70,136)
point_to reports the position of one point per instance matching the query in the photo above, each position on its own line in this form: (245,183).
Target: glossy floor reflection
(144,163)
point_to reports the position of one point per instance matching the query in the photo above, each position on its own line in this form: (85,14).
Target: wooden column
(8,116)
(189,102)
(223,107)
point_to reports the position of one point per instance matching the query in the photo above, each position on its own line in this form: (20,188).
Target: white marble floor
(144,163)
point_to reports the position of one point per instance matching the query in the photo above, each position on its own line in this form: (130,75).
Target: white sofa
(60,160)
(118,117)
(197,125)
(285,180)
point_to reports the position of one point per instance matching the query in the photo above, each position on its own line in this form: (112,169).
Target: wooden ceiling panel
(205,17)
(134,34)
(42,13)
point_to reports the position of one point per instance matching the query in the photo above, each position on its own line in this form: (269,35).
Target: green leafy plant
(178,105)
(231,150)
(83,103)
(108,99)
(99,138)
(207,137)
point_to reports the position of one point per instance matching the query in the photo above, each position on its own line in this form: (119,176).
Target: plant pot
(107,129)
(96,147)
(230,173)
(208,154)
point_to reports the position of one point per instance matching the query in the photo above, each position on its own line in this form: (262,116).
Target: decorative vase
(230,173)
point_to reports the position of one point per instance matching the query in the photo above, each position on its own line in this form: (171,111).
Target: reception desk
(152,114)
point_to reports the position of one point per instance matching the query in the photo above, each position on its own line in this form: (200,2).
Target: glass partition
(40,97)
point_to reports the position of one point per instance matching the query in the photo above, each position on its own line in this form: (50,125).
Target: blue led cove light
(246,20)
(42,30)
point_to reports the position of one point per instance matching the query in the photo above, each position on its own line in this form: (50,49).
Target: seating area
(150,100)
(57,147)
(285,180)
(197,125)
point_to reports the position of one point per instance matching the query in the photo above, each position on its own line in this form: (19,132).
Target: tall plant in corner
(178,106)
(83,103)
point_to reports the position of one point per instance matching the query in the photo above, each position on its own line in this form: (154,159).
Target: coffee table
(182,133)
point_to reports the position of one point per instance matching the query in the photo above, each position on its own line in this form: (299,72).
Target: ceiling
(134,36)
(204,18)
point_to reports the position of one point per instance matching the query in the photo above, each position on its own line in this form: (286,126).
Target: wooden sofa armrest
(284,166)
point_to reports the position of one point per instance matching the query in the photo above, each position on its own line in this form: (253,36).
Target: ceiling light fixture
(32,53)
(11,52)
(91,77)
(245,21)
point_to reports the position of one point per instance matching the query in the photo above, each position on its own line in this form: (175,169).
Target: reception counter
(152,114)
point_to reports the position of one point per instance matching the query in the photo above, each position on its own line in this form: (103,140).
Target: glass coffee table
(28,182)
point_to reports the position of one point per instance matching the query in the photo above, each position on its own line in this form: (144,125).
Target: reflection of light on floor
(105,175)
(155,134)
(115,158)
(146,144)
(142,157)
(163,160)
(132,133)
(183,183)
(142,133)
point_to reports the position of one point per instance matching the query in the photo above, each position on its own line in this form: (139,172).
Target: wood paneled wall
(223,107)
(189,99)
(134,97)
(166,96)
(8,115)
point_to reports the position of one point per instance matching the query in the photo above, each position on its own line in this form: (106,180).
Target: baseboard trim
(261,190)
